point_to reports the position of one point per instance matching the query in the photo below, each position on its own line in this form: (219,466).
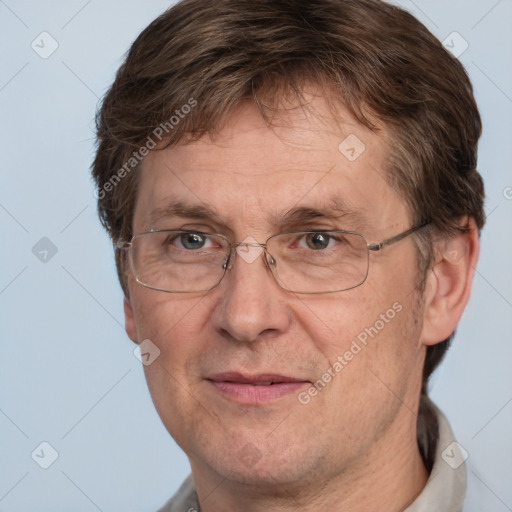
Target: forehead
(254,174)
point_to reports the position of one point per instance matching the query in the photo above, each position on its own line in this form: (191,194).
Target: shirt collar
(446,485)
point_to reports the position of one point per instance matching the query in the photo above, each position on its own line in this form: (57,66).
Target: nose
(251,305)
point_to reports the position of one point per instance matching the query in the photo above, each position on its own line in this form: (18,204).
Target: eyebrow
(334,208)
(182,209)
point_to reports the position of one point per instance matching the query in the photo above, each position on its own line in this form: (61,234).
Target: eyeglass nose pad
(270,260)
(229,261)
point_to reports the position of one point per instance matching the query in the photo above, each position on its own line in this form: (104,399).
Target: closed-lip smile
(254,389)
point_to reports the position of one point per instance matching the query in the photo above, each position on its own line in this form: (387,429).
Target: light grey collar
(446,486)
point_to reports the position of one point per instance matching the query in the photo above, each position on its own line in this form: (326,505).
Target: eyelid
(200,228)
(315,228)
(206,229)
(330,232)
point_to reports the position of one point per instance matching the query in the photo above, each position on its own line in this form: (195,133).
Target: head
(241,110)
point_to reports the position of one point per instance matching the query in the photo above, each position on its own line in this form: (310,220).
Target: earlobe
(129,320)
(448,284)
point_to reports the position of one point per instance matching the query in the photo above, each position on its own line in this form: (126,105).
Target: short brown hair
(373,57)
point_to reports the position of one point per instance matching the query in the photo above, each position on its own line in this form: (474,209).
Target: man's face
(251,177)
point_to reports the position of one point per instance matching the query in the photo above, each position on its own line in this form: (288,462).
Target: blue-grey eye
(317,241)
(192,241)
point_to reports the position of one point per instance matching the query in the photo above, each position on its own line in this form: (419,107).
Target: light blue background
(69,376)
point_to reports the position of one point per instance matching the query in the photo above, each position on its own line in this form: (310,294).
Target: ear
(448,283)
(129,320)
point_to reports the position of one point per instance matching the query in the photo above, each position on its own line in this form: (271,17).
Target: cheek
(335,322)
(161,315)
(369,342)
(174,325)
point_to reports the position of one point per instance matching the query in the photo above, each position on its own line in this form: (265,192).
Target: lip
(253,389)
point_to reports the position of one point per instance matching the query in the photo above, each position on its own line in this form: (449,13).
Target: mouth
(255,389)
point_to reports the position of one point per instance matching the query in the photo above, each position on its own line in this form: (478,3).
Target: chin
(260,464)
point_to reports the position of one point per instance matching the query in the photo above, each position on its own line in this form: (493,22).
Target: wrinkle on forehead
(258,177)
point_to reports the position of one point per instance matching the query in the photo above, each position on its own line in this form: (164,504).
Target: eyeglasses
(181,261)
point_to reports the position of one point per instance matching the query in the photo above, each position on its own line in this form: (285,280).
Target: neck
(389,477)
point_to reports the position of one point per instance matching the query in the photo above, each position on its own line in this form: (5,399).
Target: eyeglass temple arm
(397,238)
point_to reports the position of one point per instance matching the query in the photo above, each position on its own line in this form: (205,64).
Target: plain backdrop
(69,376)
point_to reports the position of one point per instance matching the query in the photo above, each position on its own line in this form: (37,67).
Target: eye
(317,241)
(190,241)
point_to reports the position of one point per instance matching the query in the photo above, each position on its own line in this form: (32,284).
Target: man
(292,192)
